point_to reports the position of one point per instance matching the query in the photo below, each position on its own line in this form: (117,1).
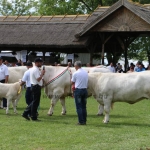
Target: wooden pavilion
(107,29)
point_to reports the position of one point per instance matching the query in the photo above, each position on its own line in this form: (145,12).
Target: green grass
(128,129)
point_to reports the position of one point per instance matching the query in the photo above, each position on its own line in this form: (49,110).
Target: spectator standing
(13,64)
(80,80)
(36,83)
(111,68)
(120,70)
(19,63)
(140,68)
(118,67)
(137,66)
(3,78)
(26,79)
(131,69)
(7,63)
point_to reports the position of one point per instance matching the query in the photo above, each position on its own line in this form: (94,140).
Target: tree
(57,7)
(142,1)
(17,7)
(140,49)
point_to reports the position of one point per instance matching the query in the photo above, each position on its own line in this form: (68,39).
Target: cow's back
(16,73)
(123,87)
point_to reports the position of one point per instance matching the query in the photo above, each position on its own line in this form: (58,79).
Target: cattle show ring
(75,81)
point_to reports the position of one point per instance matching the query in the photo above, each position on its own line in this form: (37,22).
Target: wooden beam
(104,41)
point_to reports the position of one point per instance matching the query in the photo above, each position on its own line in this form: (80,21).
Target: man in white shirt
(111,68)
(36,83)
(26,79)
(80,80)
(3,78)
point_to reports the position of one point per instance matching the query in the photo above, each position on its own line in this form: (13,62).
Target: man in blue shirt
(140,68)
(80,79)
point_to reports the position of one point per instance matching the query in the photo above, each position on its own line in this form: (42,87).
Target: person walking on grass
(36,83)
(4,74)
(26,80)
(80,81)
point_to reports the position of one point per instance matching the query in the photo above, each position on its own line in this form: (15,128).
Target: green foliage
(17,7)
(139,49)
(58,7)
(142,1)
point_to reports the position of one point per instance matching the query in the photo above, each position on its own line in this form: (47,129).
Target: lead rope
(57,77)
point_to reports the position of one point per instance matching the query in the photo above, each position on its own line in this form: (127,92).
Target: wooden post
(44,56)
(126,60)
(104,40)
(91,58)
(103,49)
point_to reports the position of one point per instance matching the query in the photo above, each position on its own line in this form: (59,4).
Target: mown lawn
(128,129)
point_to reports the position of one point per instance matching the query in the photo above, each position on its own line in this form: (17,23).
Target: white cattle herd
(106,87)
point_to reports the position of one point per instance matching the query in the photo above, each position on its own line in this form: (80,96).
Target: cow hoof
(50,114)
(99,114)
(63,114)
(105,121)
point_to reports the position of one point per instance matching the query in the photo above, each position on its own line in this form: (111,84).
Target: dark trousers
(80,101)
(4,99)
(32,108)
(28,96)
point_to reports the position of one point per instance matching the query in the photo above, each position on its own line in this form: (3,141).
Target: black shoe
(81,123)
(26,117)
(36,120)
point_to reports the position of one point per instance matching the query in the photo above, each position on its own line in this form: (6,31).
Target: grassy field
(128,129)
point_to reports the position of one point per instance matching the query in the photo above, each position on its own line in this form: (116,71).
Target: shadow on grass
(66,120)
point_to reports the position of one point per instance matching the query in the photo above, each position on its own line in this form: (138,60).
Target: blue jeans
(80,101)
(28,96)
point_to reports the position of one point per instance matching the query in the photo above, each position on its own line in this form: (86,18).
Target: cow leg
(17,100)
(100,110)
(8,105)
(57,93)
(14,106)
(107,105)
(53,103)
(62,101)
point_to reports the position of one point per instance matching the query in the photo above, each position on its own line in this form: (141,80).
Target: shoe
(81,123)
(37,114)
(36,120)
(26,117)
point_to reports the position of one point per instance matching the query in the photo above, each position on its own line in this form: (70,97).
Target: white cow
(16,73)
(109,88)
(61,87)
(11,92)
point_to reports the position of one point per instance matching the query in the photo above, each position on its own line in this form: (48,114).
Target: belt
(35,85)
(2,80)
(81,89)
